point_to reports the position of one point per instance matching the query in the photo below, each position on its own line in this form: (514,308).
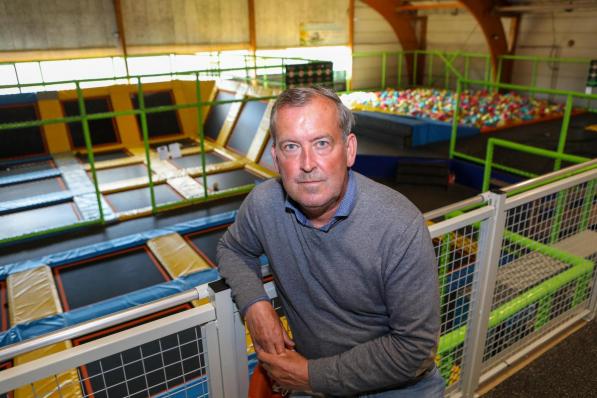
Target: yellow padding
(108,164)
(65,384)
(32,295)
(215,168)
(186,186)
(165,169)
(592,128)
(176,255)
(260,170)
(131,183)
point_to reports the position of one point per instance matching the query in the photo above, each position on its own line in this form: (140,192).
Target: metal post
(201,132)
(490,244)
(587,205)
(564,131)
(430,69)
(384,61)
(14,66)
(415,66)
(455,120)
(89,147)
(467,60)
(231,341)
(488,164)
(141,101)
(399,78)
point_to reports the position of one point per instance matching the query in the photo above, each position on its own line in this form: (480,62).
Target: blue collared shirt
(343,211)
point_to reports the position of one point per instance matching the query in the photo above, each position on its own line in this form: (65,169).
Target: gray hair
(301,96)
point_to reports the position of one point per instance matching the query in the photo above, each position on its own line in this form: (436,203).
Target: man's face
(311,155)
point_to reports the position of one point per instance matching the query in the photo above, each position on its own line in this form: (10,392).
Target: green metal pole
(587,205)
(446,73)
(201,133)
(141,100)
(543,311)
(443,269)
(89,147)
(498,77)
(384,60)
(486,75)
(564,131)
(488,164)
(467,61)
(455,120)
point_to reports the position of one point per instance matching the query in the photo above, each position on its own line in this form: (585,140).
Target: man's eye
(290,147)
(322,144)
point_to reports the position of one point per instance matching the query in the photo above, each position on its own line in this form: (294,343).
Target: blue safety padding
(27,159)
(471,174)
(49,324)
(33,202)
(101,248)
(12,99)
(32,176)
(376,166)
(435,131)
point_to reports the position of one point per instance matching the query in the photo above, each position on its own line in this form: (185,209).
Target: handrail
(11,351)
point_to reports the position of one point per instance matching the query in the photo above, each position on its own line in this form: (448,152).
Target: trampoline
(229,179)
(23,141)
(184,143)
(91,281)
(194,160)
(114,174)
(205,242)
(101,131)
(266,157)
(217,115)
(31,188)
(3,307)
(42,218)
(169,362)
(246,127)
(103,156)
(159,124)
(12,169)
(140,198)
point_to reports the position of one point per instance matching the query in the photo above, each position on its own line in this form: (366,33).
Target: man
(352,260)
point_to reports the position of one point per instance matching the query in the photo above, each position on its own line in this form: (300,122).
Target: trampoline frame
(188,237)
(60,286)
(106,194)
(113,119)
(245,100)
(3,307)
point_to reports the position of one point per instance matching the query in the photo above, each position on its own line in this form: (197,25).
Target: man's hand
(266,329)
(289,369)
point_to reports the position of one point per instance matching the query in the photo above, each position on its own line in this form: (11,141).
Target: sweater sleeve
(408,349)
(238,255)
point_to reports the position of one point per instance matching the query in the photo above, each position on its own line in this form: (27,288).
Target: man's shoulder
(386,202)
(266,194)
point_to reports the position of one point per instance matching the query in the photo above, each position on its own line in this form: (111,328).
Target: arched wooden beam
(492,28)
(402,24)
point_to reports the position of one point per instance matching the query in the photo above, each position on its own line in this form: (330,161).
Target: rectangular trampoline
(266,157)
(121,173)
(205,242)
(230,179)
(93,280)
(101,131)
(25,141)
(149,369)
(217,115)
(246,126)
(140,198)
(159,124)
(11,169)
(42,218)
(103,156)
(194,160)
(31,188)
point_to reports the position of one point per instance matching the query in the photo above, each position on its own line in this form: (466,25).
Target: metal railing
(514,272)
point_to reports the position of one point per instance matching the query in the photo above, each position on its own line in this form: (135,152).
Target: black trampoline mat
(103,156)
(160,123)
(102,131)
(188,161)
(266,158)
(217,115)
(206,242)
(184,143)
(113,174)
(230,179)
(43,218)
(141,198)
(98,279)
(17,142)
(31,188)
(23,168)
(246,126)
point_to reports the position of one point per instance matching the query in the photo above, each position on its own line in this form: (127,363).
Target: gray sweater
(361,299)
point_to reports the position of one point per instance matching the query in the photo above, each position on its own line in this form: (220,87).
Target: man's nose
(307,159)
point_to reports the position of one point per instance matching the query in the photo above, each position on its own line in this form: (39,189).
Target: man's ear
(351,149)
(274,157)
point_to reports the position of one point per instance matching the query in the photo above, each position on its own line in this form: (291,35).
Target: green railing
(142,112)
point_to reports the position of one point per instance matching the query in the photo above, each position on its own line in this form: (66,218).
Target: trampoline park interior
(130,132)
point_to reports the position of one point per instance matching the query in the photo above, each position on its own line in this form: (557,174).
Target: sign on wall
(321,33)
(592,78)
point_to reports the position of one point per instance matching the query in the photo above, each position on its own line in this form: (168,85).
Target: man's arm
(412,299)
(238,263)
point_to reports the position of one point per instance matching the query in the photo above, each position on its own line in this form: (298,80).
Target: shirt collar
(346,205)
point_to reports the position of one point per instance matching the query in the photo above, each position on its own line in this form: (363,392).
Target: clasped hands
(275,349)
